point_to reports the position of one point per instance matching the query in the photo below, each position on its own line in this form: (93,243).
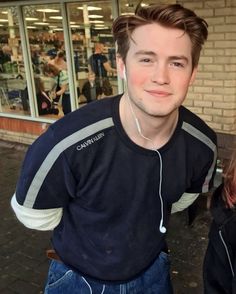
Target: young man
(100,66)
(91,88)
(105,177)
(98,62)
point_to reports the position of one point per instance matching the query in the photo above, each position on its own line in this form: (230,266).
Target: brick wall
(21,131)
(213,95)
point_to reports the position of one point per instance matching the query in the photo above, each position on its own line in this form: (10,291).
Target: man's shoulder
(91,115)
(98,56)
(195,125)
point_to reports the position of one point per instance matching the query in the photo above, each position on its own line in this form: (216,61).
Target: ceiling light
(55,17)
(72,22)
(31,18)
(127,13)
(3,20)
(129,5)
(101,28)
(58,29)
(4,12)
(96,21)
(48,10)
(144,4)
(41,23)
(90,8)
(31,27)
(105,35)
(95,16)
(52,26)
(75,26)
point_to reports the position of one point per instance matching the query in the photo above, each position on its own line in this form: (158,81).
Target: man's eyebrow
(144,52)
(151,53)
(179,57)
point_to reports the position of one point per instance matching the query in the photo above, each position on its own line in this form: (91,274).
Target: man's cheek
(137,78)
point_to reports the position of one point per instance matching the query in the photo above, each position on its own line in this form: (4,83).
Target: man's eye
(145,60)
(177,64)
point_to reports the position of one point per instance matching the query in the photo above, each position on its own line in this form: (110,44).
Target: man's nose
(160,74)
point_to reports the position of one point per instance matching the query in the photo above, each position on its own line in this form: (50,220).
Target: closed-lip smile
(158,92)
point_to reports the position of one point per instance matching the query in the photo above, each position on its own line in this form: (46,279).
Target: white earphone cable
(162,229)
(90,288)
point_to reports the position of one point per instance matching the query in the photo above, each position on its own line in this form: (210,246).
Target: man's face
(91,77)
(158,69)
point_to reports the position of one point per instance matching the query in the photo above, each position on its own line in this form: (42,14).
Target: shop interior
(44,30)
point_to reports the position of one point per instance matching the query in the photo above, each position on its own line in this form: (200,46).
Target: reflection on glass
(13,93)
(90,31)
(46,39)
(129,7)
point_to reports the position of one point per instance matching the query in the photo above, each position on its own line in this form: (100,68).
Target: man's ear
(193,76)
(120,66)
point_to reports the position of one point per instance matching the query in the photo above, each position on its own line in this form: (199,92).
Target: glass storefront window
(12,76)
(90,32)
(129,7)
(93,49)
(46,42)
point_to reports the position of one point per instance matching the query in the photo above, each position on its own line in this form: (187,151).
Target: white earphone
(162,228)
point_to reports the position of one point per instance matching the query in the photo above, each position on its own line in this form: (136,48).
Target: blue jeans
(155,280)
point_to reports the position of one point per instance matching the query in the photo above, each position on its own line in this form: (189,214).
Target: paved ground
(23,265)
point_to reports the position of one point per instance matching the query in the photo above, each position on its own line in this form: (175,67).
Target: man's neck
(153,132)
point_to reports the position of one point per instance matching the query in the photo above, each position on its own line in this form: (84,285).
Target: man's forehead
(148,30)
(154,37)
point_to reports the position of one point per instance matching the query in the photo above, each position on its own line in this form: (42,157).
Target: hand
(53,95)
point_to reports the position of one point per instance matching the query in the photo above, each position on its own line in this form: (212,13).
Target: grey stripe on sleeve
(55,153)
(206,140)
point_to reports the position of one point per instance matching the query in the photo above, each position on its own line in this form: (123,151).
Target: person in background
(44,102)
(100,66)
(91,88)
(61,85)
(57,46)
(219,267)
(59,60)
(5,54)
(105,177)
(5,58)
(35,58)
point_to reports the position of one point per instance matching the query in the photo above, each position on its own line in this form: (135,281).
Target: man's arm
(108,67)
(38,219)
(185,200)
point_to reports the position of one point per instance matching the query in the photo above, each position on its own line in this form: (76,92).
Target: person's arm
(185,200)
(63,78)
(38,219)
(108,68)
(46,184)
(62,90)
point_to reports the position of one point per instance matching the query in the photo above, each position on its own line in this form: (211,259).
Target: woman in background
(45,105)
(220,259)
(61,85)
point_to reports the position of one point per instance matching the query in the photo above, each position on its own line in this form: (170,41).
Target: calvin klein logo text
(90,141)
